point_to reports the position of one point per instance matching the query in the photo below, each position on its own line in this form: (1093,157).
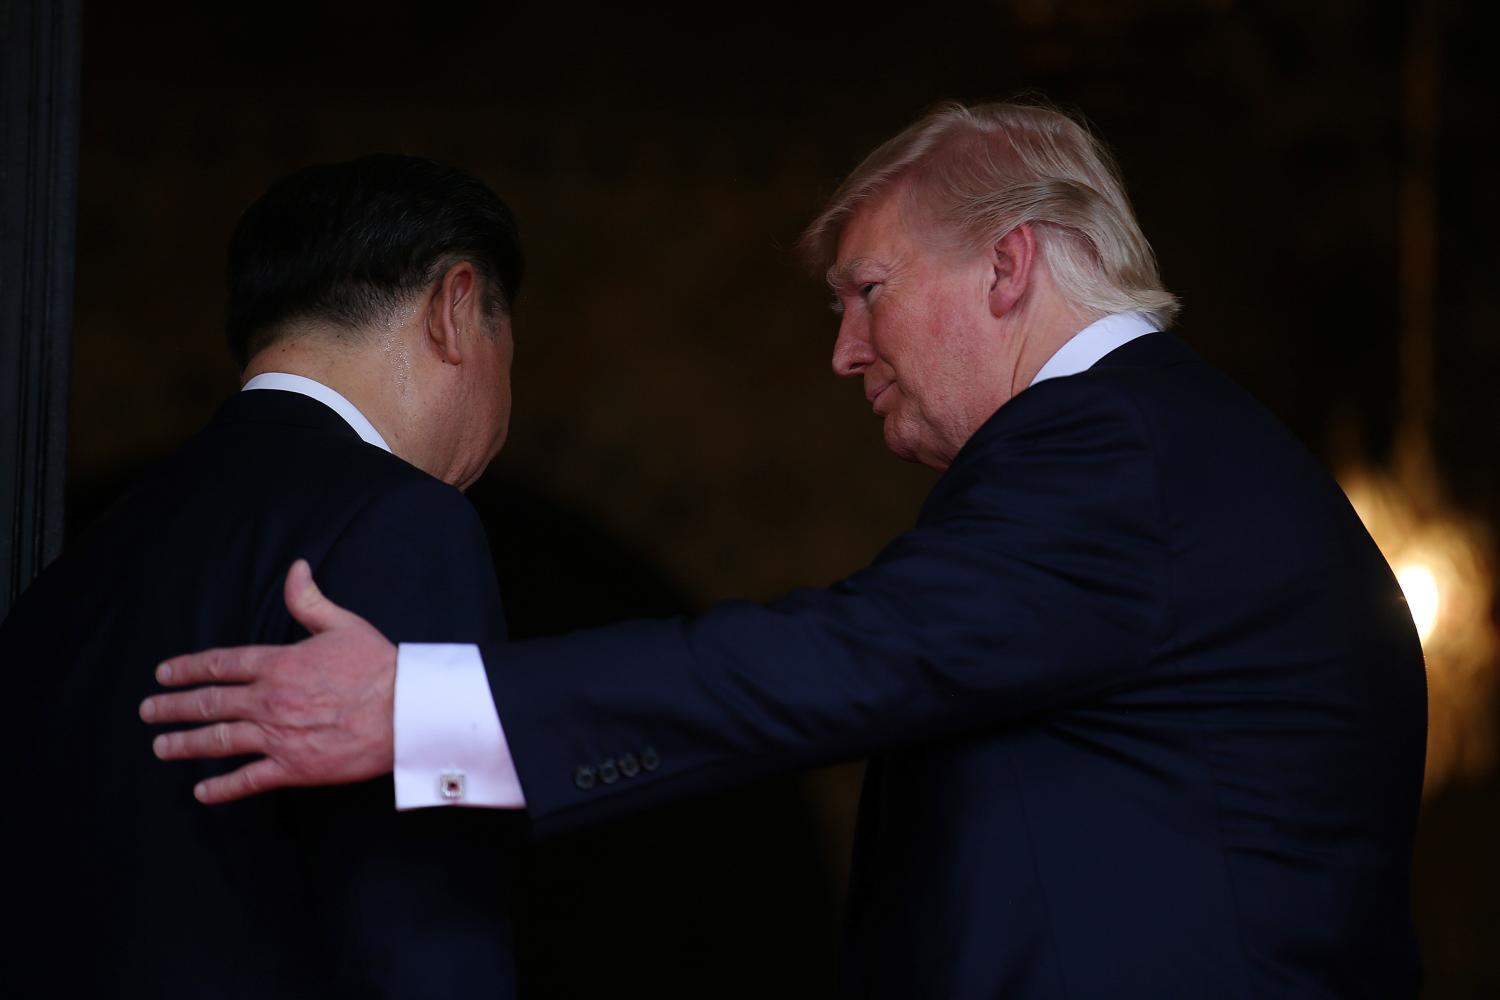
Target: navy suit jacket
(126,886)
(1145,710)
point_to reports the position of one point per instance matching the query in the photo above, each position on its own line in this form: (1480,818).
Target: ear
(453,311)
(1011,260)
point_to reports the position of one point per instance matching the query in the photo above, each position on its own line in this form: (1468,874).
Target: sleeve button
(630,765)
(584,777)
(649,760)
(608,773)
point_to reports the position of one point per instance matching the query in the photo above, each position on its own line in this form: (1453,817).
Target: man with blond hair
(1144,709)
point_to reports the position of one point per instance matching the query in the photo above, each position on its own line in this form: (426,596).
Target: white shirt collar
(1093,342)
(328,397)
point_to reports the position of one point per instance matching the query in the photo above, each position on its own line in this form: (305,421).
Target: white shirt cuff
(450,746)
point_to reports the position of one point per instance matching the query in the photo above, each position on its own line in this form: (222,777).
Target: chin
(901,445)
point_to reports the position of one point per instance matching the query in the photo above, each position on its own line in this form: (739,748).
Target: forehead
(875,234)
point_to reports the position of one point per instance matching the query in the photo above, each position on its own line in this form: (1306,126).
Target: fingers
(308,605)
(223,739)
(221,666)
(258,776)
(205,704)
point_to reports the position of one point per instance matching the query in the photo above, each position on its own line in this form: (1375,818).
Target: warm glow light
(1443,564)
(1421,590)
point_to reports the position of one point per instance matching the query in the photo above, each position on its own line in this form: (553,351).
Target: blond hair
(979,172)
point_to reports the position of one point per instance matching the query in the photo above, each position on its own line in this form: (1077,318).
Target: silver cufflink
(451,785)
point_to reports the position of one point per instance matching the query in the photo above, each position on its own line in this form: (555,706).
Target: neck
(1049,325)
(364,378)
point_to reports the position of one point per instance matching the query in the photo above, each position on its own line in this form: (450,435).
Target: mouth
(874,397)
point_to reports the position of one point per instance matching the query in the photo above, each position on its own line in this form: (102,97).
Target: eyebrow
(841,275)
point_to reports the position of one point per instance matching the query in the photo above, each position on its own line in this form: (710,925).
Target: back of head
(347,243)
(972,174)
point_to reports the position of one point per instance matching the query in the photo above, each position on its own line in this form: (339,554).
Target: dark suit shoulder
(415,561)
(274,477)
(1060,404)
(385,539)
(1062,432)
(274,434)
(278,457)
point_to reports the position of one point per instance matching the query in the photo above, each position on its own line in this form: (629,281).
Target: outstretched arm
(1018,593)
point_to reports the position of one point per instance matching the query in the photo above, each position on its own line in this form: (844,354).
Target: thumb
(308,605)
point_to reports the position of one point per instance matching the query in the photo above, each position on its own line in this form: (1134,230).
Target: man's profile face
(915,326)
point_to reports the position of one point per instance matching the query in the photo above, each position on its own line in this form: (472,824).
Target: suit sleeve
(415,904)
(1033,581)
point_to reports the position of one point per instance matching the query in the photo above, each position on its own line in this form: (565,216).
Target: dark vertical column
(39,59)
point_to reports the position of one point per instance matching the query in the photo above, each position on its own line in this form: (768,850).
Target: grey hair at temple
(972,174)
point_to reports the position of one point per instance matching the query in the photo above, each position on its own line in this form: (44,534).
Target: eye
(867,289)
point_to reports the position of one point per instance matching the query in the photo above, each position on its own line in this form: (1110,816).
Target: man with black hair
(369,311)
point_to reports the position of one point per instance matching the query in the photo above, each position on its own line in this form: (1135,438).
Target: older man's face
(916,327)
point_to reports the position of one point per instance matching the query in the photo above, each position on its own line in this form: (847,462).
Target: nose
(852,352)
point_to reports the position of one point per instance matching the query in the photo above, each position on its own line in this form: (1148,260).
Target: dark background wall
(678,437)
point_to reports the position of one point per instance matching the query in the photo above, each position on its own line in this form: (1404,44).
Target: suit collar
(1154,350)
(327,395)
(269,406)
(1093,342)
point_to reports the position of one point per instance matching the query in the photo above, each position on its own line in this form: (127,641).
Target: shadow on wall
(668,903)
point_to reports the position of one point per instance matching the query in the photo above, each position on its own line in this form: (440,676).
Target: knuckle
(222,737)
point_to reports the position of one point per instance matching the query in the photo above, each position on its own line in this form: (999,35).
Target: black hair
(348,242)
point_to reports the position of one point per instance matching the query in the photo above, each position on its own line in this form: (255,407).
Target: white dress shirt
(445,680)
